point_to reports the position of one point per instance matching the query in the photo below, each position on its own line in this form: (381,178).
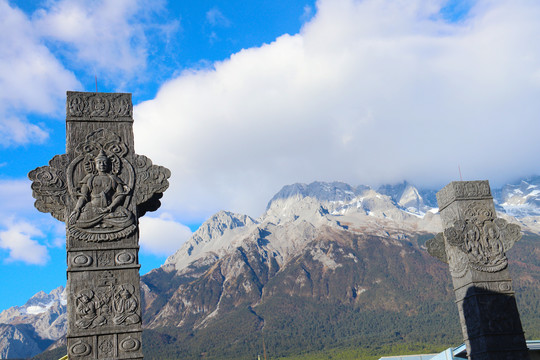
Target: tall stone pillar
(100,188)
(474,243)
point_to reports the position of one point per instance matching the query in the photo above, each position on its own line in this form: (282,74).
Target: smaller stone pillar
(473,244)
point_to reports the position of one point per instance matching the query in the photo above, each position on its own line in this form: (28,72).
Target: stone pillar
(474,243)
(100,188)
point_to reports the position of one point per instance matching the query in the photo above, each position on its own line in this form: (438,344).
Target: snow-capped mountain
(391,210)
(297,209)
(521,199)
(29,329)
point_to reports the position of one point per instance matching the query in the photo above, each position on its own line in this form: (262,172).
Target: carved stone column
(100,188)
(474,244)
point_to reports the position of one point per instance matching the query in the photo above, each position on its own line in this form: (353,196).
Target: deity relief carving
(125,306)
(89,105)
(100,184)
(102,196)
(480,242)
(109,305)
(91,310)
(483,238)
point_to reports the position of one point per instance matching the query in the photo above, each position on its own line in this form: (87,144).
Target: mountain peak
(322,191)
(222,225)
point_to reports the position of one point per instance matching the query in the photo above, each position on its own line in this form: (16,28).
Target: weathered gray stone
(100,188)
(474,244)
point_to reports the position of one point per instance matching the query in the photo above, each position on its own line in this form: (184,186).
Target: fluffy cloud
(162,236)
(32,80)
(16,198)
(25,234)
(19,240)
(368,92)
(108,35)
(107,38)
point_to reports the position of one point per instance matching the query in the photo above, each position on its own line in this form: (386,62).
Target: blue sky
(241,98)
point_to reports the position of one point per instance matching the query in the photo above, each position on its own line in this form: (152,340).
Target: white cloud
(25,233)
(105,34)
(18,130)
(32,80)
(368,92)
(19,240)
(162,236)
(16,196)
(107,38)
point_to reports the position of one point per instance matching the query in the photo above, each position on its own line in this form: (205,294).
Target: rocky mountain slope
(327,265)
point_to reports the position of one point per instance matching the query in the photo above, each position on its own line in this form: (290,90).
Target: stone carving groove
(80,348)
(125,258)
(82,260)
(130,344)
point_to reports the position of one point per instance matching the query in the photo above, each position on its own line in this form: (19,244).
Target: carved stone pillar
(100,188)
(474,244)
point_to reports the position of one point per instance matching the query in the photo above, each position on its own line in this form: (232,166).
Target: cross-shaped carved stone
(100,188)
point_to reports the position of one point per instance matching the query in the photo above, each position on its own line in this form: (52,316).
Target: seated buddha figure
(99,214)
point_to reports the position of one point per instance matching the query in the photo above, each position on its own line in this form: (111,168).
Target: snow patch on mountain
(42,320)
(520,199)
(38,304)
